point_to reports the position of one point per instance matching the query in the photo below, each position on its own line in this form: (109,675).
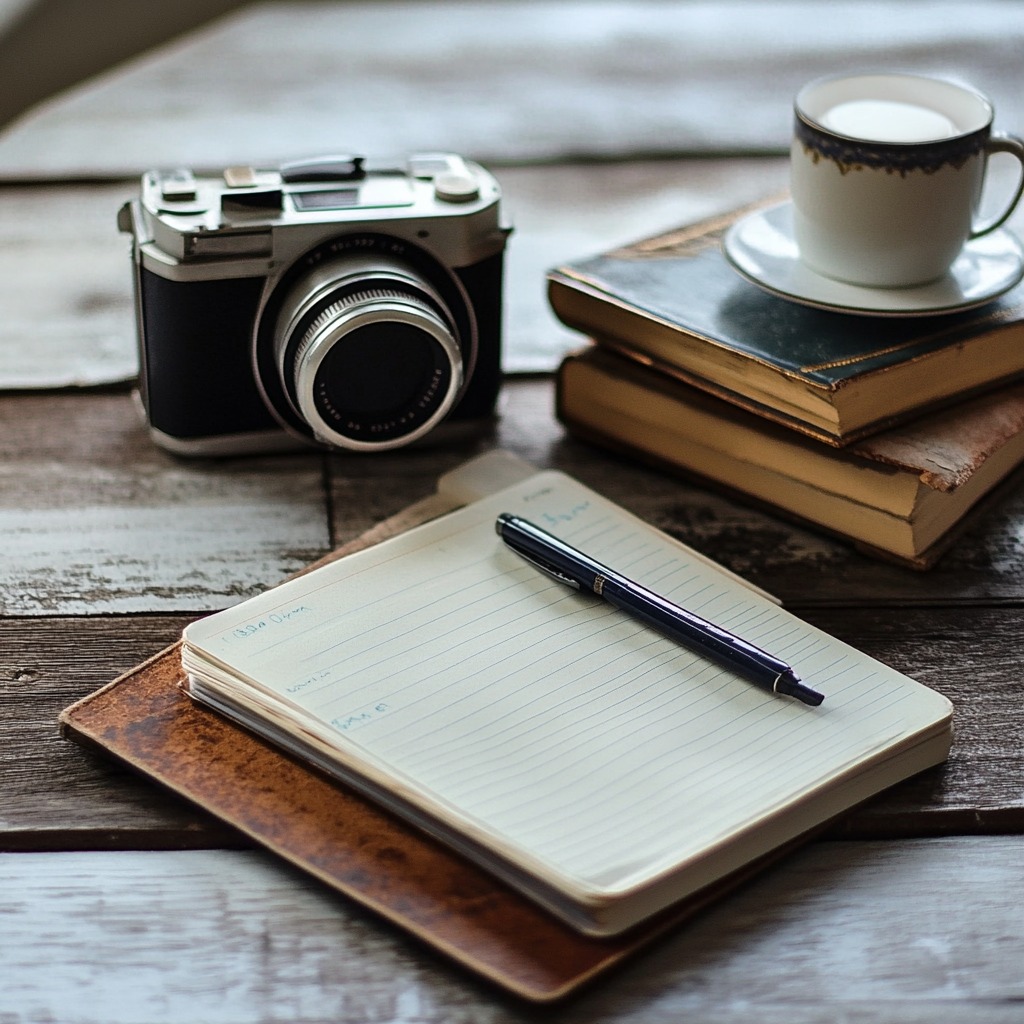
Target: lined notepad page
(598,751)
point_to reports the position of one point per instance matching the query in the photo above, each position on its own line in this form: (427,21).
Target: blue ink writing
(537,494)
(347,723)
(274,619)
(553,519)
(302,684)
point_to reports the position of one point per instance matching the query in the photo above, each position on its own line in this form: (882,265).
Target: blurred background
(506,81)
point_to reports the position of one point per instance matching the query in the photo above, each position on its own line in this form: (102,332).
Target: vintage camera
(332,301)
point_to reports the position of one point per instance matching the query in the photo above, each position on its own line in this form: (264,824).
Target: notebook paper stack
(592,764)
(885,431)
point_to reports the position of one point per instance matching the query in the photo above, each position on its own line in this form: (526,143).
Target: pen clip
(549,570)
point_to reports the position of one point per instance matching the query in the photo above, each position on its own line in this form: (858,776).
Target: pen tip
(792,687)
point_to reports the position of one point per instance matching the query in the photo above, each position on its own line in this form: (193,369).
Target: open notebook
(596,766)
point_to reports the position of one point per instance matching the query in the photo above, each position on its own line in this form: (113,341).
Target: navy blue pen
(581,572)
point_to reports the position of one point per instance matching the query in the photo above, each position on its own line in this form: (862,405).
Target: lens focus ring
(375,369)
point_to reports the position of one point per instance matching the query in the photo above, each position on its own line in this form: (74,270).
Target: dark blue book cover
(675,302)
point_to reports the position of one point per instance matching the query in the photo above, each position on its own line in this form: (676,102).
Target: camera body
(332,302)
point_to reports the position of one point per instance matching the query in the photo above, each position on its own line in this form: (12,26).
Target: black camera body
(328,302)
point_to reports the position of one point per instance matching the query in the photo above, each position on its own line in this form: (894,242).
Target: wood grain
(843,931)
(99,521)
(149,911)
(500,81)
(64,288)
(102,522)
(55,795)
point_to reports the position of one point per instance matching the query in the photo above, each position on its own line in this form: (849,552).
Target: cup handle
(1004,143)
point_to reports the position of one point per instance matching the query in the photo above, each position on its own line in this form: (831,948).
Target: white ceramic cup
(886,175)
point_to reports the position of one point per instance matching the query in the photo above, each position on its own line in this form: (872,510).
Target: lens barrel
(368,353)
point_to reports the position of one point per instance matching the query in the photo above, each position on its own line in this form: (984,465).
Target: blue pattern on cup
(894,158)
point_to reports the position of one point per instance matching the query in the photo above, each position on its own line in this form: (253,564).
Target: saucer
(762,248)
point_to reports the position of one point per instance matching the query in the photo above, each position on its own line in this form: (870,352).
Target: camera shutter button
(456,187)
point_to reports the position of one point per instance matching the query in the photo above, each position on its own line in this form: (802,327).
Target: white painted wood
(65,289)
(100,521)
(191,541)
(875,932)
(502,80)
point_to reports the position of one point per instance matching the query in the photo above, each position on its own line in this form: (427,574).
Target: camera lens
(368,353)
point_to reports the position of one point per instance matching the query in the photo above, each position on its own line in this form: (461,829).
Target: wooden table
(119,902)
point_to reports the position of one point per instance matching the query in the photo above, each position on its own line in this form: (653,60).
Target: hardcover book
(900,493)
(675,299)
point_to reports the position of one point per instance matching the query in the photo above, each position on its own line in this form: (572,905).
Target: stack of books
(885,431)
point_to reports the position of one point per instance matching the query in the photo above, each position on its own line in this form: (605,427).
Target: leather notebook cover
(146,721)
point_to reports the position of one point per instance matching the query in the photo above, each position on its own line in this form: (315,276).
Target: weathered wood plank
(56,796)
(800,566)
(64,289)
(975,659)
(908,932)
(65,278)
(100,521)
(97,520)
(568,211)
(59,796)
(501,81)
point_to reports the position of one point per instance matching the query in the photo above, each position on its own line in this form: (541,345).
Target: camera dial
(367,352)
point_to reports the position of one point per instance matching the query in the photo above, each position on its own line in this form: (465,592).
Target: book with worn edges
(902,494)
